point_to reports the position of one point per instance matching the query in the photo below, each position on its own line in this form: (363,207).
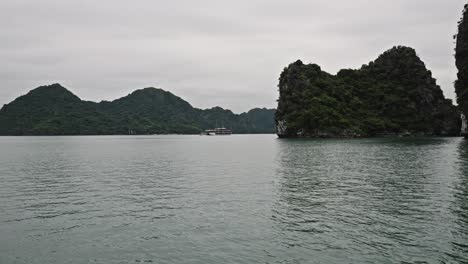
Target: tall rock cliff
(461,56)
(394,94)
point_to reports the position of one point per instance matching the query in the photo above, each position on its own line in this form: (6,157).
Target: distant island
(54,110)
(393,95)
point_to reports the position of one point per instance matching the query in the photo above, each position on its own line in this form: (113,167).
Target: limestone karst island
(393,95)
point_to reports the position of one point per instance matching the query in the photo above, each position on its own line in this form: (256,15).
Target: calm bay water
(232,199)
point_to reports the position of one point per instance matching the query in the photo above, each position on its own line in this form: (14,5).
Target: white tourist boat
(219,131)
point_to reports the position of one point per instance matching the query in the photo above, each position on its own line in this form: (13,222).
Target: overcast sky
(210,52)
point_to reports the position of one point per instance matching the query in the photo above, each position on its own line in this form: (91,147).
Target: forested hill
(394,94)
(54,110)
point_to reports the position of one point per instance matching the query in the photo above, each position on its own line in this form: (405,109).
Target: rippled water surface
(233,199)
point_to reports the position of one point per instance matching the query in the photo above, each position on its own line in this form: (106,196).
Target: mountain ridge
(55,110)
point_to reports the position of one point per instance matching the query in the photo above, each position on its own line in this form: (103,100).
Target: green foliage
(53,110)
(394,94)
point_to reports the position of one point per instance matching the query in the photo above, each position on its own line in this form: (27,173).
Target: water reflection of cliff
(460,207)
(379,199)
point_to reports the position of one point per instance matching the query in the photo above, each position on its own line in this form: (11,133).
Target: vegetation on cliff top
(53,110)
(394,94)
